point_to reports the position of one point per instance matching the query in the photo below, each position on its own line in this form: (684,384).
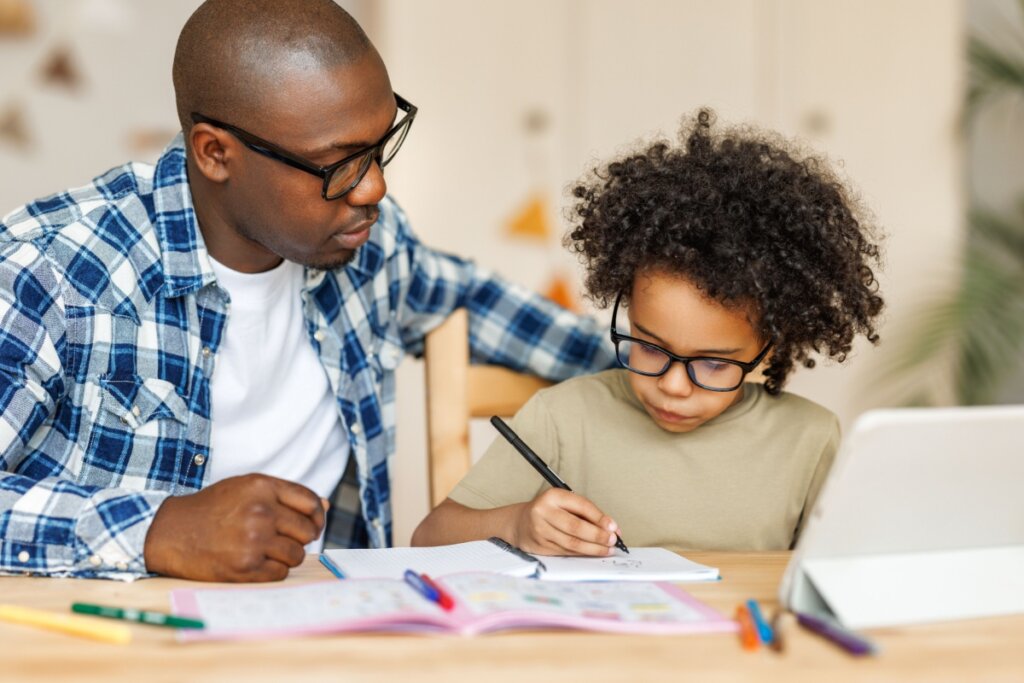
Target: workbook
(482,602)
(495,555)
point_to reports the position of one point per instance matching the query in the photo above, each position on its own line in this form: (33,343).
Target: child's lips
(667,416)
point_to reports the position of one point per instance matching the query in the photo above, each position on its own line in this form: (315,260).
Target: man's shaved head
(232,52)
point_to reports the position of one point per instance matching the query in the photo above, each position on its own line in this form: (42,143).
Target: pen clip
(521,554)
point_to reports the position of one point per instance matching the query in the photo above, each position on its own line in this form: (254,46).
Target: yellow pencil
(79,626)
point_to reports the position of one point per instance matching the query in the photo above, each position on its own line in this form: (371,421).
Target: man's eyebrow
(700,352)
(352,146)
(349,147)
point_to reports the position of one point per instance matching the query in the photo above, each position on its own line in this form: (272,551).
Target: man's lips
(356,235)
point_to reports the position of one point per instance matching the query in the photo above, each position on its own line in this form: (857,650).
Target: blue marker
(764,631)
(414,580)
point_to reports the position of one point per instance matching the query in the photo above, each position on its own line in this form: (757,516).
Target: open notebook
(483,602)
(495,555)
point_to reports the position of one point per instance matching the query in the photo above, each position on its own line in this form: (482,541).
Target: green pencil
(141,616)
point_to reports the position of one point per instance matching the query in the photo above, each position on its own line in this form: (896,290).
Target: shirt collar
(186,263)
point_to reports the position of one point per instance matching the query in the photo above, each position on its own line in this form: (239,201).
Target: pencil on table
(66,623)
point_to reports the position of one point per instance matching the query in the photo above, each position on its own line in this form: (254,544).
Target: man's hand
(248,528)
(559,522)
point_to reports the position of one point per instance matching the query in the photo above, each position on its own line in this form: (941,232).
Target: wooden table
(978,650)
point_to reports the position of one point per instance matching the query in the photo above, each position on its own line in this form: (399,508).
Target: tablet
(921,519)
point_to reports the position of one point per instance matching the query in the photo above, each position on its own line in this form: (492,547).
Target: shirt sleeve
(502,476)
(821,470)
(48,524)
(508,324)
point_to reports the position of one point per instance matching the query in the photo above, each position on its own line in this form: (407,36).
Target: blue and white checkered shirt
(110,322)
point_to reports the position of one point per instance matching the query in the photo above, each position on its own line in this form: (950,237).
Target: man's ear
(212,149)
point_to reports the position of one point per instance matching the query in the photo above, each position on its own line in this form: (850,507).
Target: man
(192,354)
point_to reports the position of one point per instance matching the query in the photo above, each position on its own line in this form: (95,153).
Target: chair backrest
(457,392)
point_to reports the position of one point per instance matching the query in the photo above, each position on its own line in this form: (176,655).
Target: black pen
(539,464)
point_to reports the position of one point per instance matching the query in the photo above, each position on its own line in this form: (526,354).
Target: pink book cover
(484,603)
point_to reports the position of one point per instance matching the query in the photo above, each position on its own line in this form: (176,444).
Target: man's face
(275,210)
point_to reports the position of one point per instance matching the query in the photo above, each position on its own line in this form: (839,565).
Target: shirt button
(206,352)
(23,556)
(122,566)
(95,560)
(199,460)
(136,411)
(377,524)
(319,335)
(356,428)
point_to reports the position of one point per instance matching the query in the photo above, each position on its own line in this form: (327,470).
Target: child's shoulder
(607,385)
(787,407)
(585,396)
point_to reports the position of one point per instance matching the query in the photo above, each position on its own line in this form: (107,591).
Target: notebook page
(316,608)
(391,563)
(640,564)
(495,602)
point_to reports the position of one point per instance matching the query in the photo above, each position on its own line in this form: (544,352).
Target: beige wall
(874,83)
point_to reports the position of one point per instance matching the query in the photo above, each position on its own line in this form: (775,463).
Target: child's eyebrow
(701,352)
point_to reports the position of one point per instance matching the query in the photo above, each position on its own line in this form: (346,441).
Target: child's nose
(676,382)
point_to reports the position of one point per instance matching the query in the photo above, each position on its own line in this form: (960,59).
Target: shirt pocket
(388,350)
(135,401)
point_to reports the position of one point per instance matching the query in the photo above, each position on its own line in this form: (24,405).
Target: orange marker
(748,634)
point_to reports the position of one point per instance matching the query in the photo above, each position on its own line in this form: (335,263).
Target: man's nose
(371,188)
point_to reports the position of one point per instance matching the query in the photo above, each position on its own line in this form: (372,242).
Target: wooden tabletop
(977,650)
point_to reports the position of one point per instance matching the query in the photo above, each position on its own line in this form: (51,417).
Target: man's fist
(248,528)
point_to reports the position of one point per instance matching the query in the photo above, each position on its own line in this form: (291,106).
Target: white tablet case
(920,520)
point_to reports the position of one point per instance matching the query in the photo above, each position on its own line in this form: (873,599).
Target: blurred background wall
(518,99)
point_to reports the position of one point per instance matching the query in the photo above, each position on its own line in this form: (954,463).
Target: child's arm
(556,522)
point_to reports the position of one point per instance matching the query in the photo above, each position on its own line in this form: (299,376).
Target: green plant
(973,335)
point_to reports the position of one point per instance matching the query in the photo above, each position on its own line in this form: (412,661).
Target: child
(727,253)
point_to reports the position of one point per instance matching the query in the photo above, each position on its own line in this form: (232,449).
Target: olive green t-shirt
(741,481)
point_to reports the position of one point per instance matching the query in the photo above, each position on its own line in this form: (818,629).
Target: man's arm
(508,324)
(49,525)
(249,528)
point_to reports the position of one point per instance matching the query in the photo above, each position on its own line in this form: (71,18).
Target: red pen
(443,599)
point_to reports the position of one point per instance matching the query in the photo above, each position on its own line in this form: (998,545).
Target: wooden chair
(457,392)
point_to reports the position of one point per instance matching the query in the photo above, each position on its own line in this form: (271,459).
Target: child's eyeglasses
(707,372)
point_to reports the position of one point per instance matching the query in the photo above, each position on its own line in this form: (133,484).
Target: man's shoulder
(102,238)
(61,212)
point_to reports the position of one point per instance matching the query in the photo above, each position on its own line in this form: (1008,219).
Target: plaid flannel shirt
(110,322)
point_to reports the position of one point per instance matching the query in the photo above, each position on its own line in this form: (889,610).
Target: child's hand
(559,522)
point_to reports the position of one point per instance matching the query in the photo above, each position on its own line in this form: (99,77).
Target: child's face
(669,311)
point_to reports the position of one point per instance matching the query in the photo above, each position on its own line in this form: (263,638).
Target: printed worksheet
(481,602)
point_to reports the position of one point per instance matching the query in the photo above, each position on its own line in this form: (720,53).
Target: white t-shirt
(273,409)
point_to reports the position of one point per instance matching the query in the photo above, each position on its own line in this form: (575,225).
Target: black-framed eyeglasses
(707,372)
(343,176)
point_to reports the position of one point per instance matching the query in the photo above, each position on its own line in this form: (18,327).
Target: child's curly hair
(748,220)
